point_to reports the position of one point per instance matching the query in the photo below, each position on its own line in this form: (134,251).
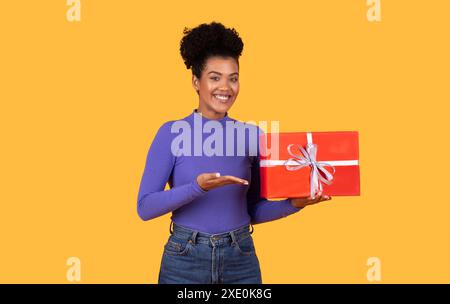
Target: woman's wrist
(197,186)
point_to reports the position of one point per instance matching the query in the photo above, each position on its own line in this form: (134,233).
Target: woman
(214,198)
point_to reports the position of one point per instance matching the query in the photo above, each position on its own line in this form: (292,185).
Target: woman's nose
(224,86)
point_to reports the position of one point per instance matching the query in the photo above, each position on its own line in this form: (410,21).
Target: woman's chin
(222,107)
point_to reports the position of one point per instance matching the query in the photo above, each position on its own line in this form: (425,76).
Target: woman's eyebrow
(235,73)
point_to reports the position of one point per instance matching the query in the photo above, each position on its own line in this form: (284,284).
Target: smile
(222,98)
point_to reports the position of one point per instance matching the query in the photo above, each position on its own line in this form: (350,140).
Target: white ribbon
(309,159)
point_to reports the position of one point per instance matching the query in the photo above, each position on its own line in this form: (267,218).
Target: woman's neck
(209,114)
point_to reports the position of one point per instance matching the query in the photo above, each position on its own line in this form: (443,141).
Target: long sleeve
(260,209)
(153,200)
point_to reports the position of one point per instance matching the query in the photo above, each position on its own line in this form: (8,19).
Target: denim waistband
(185,233)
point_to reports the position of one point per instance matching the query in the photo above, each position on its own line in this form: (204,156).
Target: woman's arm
(153,200)
(260,209)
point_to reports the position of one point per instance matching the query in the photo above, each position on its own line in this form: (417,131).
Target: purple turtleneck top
(178,157)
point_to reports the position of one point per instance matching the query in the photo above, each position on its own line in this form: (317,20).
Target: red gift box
(309,164)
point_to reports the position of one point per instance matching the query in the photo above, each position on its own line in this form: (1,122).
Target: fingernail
(217,174)
(245,182)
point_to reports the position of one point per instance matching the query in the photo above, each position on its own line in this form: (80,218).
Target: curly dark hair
(206,40)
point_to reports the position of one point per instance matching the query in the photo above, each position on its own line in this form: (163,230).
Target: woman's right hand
(208,181)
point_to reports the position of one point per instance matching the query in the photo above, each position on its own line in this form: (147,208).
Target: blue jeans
(193,257)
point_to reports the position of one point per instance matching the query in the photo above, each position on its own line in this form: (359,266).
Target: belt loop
(252,228)
(170,227)
(233,237)
(194,236)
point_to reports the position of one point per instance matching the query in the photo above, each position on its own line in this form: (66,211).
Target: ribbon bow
(309,159)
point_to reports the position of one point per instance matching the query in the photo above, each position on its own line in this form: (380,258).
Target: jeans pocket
(245,246)
(177,247)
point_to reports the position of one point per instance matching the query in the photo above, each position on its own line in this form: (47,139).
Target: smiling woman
(212,52)
(214,198)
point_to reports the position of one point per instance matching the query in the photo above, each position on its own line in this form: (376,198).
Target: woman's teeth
(223,98)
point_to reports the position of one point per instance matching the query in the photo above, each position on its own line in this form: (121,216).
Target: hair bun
(209,39)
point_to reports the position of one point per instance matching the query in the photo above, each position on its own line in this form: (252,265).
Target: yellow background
(81,102)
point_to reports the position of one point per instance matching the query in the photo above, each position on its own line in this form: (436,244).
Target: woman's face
(218,86)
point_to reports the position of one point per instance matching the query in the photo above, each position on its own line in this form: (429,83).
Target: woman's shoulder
(173,127)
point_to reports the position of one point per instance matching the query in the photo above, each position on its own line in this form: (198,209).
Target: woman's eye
(215,78)
(234,79)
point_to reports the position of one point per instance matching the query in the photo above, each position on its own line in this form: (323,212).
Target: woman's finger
(237,180)
(315,200)
(228,179)
(318,199)
(322,198)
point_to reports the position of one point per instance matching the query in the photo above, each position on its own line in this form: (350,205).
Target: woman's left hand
(300,202)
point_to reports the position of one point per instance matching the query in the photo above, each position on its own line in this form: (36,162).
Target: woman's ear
(195,83)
